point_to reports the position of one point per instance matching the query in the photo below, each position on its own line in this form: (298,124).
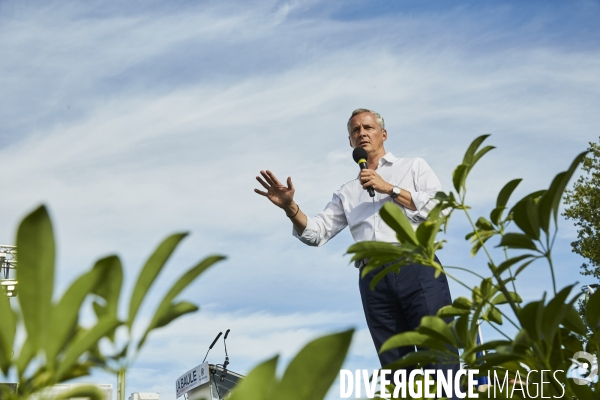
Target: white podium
(204,383)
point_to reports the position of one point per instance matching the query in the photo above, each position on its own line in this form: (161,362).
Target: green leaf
(554,313)
(149,273)
(25,356)
(460,327)
(8,328)
(35,242)
(480,154)
(493,315)
(468,159)
(84,342)
(313,370)
(484,224)
(174,311)
(525,215)
(258,383)
(450,312)
(523,266)
(501,298)
(398,221)
(110,284)
(506,192)
(412,338)
(573,322)
(167,311)
(462,302)
(517,241)
(530,317)
(582,392)
(65,314)
(436,327)
(551,199)
(459,176)
(426,233)
(375,250)
(592,312)
(510,262)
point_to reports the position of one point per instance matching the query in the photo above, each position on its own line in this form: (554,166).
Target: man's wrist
(291,209)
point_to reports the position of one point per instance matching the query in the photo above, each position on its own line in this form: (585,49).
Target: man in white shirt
(399,301)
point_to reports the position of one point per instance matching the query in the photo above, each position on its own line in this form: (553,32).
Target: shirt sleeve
(325,225)
(426,185)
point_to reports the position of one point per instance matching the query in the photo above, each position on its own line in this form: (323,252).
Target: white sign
(192,379)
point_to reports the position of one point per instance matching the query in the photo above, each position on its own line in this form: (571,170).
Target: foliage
(583,204)
(55,346)
(547,329)
(308,376)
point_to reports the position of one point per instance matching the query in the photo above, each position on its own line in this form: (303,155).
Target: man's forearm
(298,218)
(405,199)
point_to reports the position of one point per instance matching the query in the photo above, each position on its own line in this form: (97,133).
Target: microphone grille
(359,153)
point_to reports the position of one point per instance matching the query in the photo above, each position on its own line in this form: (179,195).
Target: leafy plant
(548,329)
(56,347)
(308,376)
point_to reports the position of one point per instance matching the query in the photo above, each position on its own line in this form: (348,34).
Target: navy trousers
(398,303)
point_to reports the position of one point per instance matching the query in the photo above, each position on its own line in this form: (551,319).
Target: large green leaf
(258,383)
(65,314)
(436,327)
(83,343)
(8,328)
(531,316)
(167,311)
(551,199)
(35,242)
(510,262)
(506,192)
(480,154)
(592,312)
(149,272)
(109,287)
(459,176)
(573,322)
(502,299)
(398,221)
(517,241)
(412,338)
(554,312)
(313,370)
(174,311)
(525,215)
(450,312)
(469,156)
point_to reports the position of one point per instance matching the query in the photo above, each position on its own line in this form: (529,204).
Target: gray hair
(378,117)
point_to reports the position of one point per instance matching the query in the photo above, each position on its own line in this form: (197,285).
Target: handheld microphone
(211,346)
(226,363)
(360,156)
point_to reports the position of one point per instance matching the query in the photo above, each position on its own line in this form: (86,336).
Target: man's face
(366,133)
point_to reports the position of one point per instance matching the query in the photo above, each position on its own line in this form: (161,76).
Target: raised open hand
(279,194)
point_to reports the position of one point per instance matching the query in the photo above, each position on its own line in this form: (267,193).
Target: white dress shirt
(352,206)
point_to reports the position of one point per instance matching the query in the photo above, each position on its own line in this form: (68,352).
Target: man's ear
(350,141)
(384,132)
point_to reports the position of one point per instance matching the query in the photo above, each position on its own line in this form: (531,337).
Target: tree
(584,208)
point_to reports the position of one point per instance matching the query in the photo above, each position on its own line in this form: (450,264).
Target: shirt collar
(387,158)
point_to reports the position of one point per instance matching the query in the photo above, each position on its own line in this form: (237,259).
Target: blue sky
(132,121)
